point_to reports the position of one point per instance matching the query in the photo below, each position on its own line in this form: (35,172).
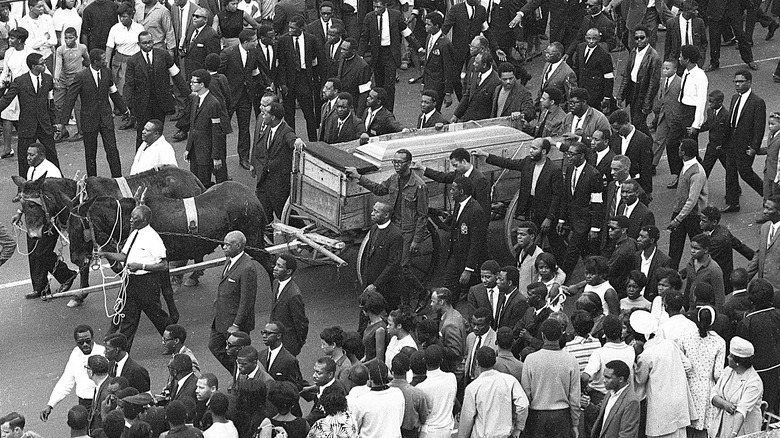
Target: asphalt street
(36,337)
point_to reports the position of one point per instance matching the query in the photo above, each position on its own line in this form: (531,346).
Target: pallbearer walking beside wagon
(408,196)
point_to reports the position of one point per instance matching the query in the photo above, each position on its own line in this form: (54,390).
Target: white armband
(365,87)
(255,72)
(595,230)
(561,221)
(406,32)
(610,75)
(173,70)
(596,198)
(484,26)
(216,120)
(315,62)
(51,94)
(112,90)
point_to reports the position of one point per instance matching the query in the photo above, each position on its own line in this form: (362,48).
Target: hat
(141,399)
(643,322)
(740,347)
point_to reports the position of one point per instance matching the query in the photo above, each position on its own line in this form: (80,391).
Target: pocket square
(231,280)
(199,45)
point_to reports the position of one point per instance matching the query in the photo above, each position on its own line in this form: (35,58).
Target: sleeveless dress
(230,25)
(14,65)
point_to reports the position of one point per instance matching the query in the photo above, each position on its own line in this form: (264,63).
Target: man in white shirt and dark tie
(155,151)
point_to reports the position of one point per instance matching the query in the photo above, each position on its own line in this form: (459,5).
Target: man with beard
(75,373)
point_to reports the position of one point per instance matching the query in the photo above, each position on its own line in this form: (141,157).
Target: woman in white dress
(14,65)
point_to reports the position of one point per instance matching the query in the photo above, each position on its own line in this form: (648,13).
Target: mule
(224,207)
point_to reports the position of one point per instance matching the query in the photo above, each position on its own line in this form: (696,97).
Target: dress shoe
(415,80)
(61,136)
(180,135)
(730,209)
(729,43)
(772,28)
(244,164)
(712,67)
(33,295)
(673,182)
(752,65)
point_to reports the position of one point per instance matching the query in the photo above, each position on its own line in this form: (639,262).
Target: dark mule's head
(110,222)
(45,202)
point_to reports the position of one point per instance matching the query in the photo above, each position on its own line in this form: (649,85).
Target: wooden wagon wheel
(423,264)
(510,223)
(308,255)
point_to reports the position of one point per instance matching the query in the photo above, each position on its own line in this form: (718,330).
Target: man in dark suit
(284,11)
(468,236)
(94,85)
(723,244)
(381,266)
(272,160)
(583,120)
(477,101)
(183,381)
(234,306)
(466,20)
(650,259)
(268,63)
(182,13)
(332,49)
(486,294)
(743,139)
(121,364)
(381,36)
(320,28)
(377,118)
(288,307)
(208,385)
(540,192)
(328,95)
(324,377)
(722,17)
(355,74)
(148,84)
(601,155)
(439,73)
(594,69)
(460,161)
(639,216)
(767,257)
(240,65)
(299,72)
(639,87)
(511,98)
(200,40)
(429,117)
(717,124)
(209,125)
(634,144)
(344,126)
(695,33)
(581,206)
(595,19)
(275,358)
(97,369)
(621,417)
(512,303)
(36,110)
(557,73)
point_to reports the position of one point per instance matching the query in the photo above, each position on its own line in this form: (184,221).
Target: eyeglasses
(639,37)
(199,16)
(571,154)
(399,162)
(268,333)
(326,13)
(84,341)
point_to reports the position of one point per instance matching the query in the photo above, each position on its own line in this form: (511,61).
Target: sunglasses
(639,37)
(199,16)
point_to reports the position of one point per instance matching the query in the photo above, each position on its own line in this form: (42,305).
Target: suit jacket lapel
(615,407)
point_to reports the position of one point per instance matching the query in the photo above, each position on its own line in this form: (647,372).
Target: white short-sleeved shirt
(123,39)
(147,248)
(159,153)
(65,18)
(221,430)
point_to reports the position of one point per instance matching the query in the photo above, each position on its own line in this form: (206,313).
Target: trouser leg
(112,153)
(90,152)
(745,168)
(244,113)
(21,154)
(217,344)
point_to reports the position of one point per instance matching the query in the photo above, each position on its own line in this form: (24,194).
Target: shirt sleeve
(65,384)
(155,246)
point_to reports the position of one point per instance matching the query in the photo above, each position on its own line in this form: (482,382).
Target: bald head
(381,212)
(233,243)
(140,217)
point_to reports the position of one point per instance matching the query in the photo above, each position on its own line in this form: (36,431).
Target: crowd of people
(648,348)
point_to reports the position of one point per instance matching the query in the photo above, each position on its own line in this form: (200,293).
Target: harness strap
(124,188)
(192,214)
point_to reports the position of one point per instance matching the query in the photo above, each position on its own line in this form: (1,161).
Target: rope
(18,231)
(207,239)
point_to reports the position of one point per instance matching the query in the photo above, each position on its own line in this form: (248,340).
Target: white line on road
(775,58)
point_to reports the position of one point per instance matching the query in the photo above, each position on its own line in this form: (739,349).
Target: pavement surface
(36,337)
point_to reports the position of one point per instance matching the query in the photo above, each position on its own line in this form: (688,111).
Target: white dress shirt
(148,248)
(75,375)
(611,403)
(626,140)
(47,167)
(301,50)
(385,20)
(282,285)
(686,30)
(159,153)
(639,55)
(740,104)
(695,93)
(630,209)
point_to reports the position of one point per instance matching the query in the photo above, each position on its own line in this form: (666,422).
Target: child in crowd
(717,124)
(771,171)
(72,57)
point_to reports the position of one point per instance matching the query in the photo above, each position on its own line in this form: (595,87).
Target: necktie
(573,180)
(341,123)
(38,88)
(771,233)
(735,113)
(270,139)
(182,23)
(472,368)
(540,128)
(269,358)
(341,67)
(369,118)
(666,86)
(98,78)
(268,56)
(687,32)
(422,121)
(227,268)
(492,299)
(682,87)
(489,10)
(469,12)
(430,47)
(546,74)
(298,51)
(148,59)
(588,52)
(112,372)
(195,35)
(379,26)
(327,27)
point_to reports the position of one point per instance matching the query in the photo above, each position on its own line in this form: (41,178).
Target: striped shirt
(581,348)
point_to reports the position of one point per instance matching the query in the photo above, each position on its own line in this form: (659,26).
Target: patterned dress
(707,356)
(341,425)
